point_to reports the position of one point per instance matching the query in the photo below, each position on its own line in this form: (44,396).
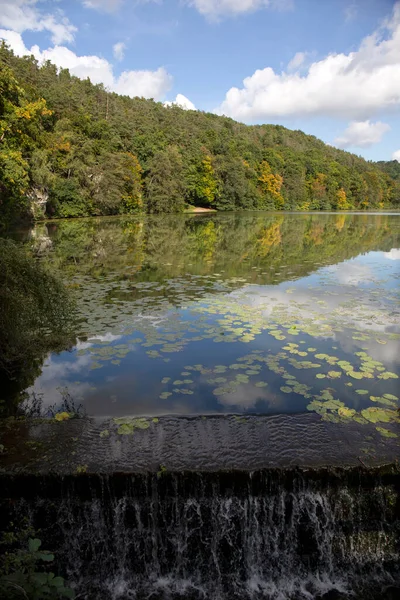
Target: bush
(24,570)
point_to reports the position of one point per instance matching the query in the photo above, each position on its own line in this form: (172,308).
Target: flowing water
(223,536)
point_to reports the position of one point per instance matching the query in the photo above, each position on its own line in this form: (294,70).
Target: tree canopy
(69,148)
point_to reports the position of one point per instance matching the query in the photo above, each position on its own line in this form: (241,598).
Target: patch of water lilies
(251,370)
(127,425)
(334,410)
(301,331)
(224,315)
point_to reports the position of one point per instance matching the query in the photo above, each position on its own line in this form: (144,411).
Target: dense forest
(69,148)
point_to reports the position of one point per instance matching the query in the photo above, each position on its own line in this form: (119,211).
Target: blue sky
(328,67)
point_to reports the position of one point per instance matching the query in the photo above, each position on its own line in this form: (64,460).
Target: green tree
(91,152)
(237,184)
(116,184)
(165,190)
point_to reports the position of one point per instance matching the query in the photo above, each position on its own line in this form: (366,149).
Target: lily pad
(333,404)
(242,378)
(125,429)
(221,391)
(334,374)
(386,432)
(346,412)
(379,415)
(63,416)
(355,374)
(384,401)
(388,375)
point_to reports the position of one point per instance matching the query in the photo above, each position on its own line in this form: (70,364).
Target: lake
(228,313)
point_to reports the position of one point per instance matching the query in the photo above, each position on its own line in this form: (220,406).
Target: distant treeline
(69,148)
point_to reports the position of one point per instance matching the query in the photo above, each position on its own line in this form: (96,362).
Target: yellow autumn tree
(341,200)
(317,190)
(209,187)
(270,185)
(20,121)
(132,194)
(202,185)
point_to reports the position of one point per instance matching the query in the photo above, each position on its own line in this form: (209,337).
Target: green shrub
(24,570)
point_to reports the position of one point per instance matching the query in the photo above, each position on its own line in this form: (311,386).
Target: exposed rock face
(38,198)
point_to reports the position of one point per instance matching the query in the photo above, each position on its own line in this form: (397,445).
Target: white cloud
(147,84)
(103,5)
(182,102)
(297,60)
(396,155)
(394,254)
(362,134)
(15,41)
(215,9)
(353,86)
(24,15)
(119,50)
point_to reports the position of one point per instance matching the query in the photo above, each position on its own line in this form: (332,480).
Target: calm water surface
(234,313)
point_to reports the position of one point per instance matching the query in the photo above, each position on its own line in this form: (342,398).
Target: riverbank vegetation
(25,568)
(36,315)
(70,148)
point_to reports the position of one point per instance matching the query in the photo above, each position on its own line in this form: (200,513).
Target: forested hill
(69,148)
(391,167)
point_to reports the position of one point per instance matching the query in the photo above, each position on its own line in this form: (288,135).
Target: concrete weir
(221,508)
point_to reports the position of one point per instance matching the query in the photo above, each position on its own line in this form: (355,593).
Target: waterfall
(274,535)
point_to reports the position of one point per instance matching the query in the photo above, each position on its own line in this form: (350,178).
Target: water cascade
(270,534)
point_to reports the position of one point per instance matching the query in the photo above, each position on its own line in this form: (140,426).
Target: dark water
(243,313)
(218,536)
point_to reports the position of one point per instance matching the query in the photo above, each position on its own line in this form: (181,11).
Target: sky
(328,67)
